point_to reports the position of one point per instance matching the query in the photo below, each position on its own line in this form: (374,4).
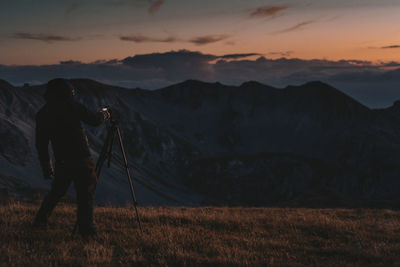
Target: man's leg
(58,189)
(85,188)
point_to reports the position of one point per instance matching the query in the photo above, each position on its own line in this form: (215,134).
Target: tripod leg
(104,151)
(110,147)
(129,177)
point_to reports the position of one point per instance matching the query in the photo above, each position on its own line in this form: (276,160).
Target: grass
(204,236)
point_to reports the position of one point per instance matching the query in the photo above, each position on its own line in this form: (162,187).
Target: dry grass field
(204,237)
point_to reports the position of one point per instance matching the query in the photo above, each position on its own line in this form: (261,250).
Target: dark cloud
(201,40)
(155,6)
(173,66)
(390,47)
(144,39)
(106,61)
(281,54)
(392,64)
(267,11)
(208,39)
(70,62)
(296,27)
(237,56)
(48,38)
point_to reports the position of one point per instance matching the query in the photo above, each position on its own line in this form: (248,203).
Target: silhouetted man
(59,122)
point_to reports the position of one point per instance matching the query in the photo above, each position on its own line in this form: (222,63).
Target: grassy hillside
(204,236)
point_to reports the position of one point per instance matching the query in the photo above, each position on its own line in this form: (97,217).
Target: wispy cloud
(200,40)
(156,6)
(237,56)
(390,47)
(153,8)
(48,38)
(267,11)
(144,39)
(121,2)
(208,39)
(296,27)
(72,8)
(281,54)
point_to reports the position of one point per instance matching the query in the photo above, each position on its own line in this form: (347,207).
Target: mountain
(197,143)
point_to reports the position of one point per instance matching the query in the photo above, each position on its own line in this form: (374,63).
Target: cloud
(281,54)
(267,11)
(207,39)
(201,40)
(72,8)
(173,65)
(390,47)
(296,27)
(392,64)
(48,38)
(122,2)
(144,39)
(155,6)
(237,56)
(70,62)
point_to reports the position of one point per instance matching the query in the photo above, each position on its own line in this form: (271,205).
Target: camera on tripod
(106,113)
(106,153)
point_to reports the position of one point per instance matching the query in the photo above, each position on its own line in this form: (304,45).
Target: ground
(209,236)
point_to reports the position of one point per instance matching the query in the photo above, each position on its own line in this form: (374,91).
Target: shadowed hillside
(197,143)
(205,237)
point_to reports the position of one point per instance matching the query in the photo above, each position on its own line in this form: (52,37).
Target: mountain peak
(252,84)
(313,85)
(87,82)
(396,104)
(316,87)
(5,84)
(325,99)
(193,83)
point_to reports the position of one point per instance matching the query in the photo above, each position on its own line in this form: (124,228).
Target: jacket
(59,123)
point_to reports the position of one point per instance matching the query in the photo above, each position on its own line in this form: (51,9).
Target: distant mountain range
(197,143)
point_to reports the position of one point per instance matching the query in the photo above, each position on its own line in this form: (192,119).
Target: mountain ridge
(250,130)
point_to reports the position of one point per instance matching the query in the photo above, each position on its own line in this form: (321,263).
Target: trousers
(82,174)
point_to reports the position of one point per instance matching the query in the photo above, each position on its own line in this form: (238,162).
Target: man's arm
(90,117)
(42,147)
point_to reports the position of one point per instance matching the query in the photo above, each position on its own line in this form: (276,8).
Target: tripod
(106,154)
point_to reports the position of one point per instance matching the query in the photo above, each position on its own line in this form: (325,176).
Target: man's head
(59,90)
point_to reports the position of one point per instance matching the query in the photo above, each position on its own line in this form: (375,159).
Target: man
(59,122)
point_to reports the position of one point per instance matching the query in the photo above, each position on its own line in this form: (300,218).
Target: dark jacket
(59,122)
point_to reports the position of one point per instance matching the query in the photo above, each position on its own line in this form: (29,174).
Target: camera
(106,112)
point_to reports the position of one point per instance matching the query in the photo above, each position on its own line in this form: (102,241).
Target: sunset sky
(37,32)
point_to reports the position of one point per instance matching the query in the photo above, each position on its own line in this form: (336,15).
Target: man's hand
(47,169)
(48,173)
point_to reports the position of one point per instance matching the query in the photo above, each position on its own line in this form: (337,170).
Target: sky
(353,45)
(38,32)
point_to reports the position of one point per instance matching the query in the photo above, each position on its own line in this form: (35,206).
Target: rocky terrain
(198,143)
